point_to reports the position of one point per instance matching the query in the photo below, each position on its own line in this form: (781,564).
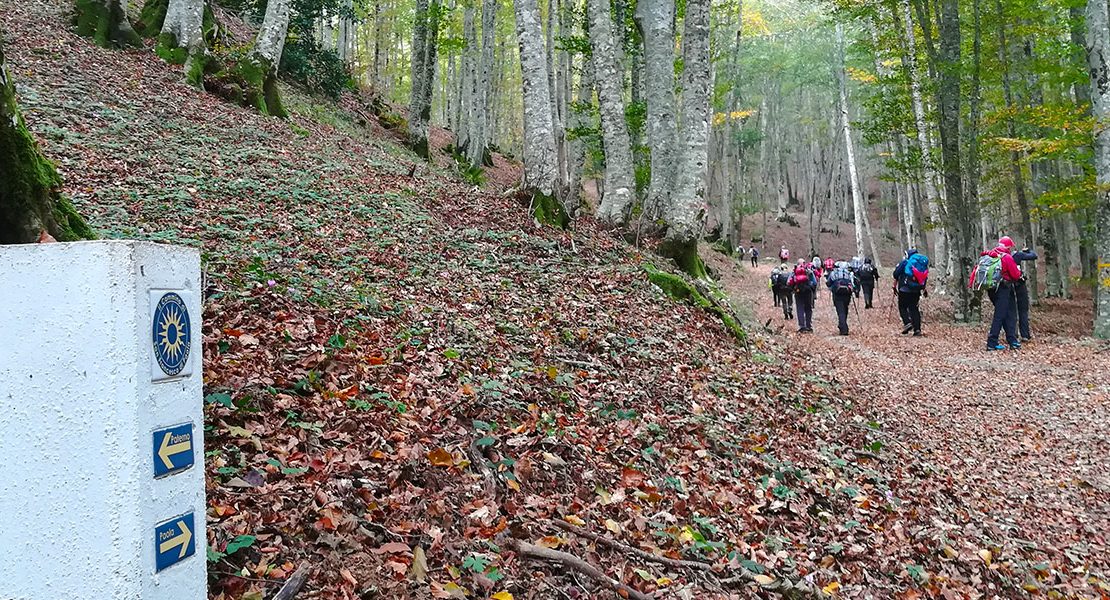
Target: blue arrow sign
(173,449)
(173,541)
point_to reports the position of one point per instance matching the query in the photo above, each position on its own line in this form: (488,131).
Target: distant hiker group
(795,288)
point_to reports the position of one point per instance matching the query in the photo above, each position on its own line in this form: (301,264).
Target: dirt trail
(1022,439)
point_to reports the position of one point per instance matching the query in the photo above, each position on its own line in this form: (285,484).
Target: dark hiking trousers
(910,310)
(1021,296)
(783,298)
(804,301)
(1005,315)
(755,261)
(868,292)
(841,302)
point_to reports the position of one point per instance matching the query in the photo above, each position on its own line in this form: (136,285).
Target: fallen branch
(294,584)
(578,565)
(645,555)
(478,459)
(789,589)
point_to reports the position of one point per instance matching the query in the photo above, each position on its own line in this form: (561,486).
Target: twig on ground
(645,555)
(574,563)
(294,584)
(478,459)
(578,363)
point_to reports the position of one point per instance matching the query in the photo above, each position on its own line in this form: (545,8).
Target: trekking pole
(859,320)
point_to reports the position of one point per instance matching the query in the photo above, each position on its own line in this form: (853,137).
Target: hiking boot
(995,347)
(801,330)
(907,329)
(1015,346)
(843,333)
(918,334)
(1026,340)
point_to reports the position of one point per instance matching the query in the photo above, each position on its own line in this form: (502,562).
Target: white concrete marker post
(101,423)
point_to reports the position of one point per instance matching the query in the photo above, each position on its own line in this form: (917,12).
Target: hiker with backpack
(771,284)
(1021,294)
(868,276)
(780,287)
(803,283)
(910,278)
(842,283)
(755,256)
(997,273)
(818,270)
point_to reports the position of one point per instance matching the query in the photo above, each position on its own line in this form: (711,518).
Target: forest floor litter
(415,390)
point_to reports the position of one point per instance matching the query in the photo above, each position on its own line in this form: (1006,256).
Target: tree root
(611,543)
(577,565)
(788,589)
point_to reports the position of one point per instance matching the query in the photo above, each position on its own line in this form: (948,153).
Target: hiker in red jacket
(1003,298)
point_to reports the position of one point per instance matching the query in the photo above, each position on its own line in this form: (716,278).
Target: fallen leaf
(764,579)
(419,569)
(573,520)
(503,595)
(986,556)
(392,548)
(441,458)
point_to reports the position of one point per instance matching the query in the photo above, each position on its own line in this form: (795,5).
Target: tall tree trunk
(425,47)
(540,161)
(376,73)
(182,38)
(1098,60)
(929,178)
(105,21)
(1015,157)
(960,218)
(655,19)
(975,102)
(858,215)
(261,71)
(686,210)
(616,204)
(30,200)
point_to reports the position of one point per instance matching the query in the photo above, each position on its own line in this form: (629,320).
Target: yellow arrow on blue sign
(174,541)
(173,449)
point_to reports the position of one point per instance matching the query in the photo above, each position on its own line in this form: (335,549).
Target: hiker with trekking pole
(842,282)
(910,278)
(998,274)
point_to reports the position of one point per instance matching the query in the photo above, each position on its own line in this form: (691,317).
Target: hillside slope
(405,374)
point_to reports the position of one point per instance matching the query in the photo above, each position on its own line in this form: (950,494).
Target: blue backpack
(916,271)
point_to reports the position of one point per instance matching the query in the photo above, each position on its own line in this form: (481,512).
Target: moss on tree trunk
(105,21)
(685,255)
(30,202)
(678,288)
(549,210)
(153,17)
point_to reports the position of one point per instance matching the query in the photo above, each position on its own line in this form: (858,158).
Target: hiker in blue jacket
(910,278)
(1021,293)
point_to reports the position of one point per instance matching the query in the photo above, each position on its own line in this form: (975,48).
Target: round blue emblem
(172,334)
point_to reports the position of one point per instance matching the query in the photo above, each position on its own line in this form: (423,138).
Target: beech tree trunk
(30,200)
(929,178)
(655,18)
(425,38)
(105,21)
(1098,60)
(182,38)
(540,160)
(259,71)
(620,183)
(849,149)
(959,218)
(686,211)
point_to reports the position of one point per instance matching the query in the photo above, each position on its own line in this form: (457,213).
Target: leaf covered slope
(404,375)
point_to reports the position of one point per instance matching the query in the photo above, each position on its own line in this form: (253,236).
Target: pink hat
(1006,241)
